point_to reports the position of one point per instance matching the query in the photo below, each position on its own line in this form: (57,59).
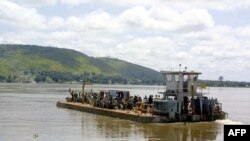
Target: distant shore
(209,83)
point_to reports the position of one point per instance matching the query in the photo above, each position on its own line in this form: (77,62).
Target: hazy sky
(211,37)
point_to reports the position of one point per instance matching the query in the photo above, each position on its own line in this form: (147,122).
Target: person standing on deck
(71,93)
(145,99)
(150,99)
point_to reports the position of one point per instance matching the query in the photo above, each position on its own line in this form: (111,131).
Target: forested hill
(26,63)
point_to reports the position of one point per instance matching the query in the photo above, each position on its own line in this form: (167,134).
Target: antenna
(180,67)
(185,68)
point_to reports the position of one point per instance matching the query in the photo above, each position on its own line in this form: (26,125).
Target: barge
(180,102)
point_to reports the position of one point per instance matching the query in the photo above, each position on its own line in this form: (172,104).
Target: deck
(122,114)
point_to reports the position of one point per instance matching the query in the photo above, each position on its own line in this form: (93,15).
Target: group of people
(75,96)
(148,100)
(107,100)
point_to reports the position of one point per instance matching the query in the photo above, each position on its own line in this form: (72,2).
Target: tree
(9,79)
(221,78)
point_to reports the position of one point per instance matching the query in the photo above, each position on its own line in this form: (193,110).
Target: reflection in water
(115,128)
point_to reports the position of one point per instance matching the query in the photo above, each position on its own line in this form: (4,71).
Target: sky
(209,37)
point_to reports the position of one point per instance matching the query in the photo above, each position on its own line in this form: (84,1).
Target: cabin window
(185,87)
(185,78)
(169,77)
(177,77)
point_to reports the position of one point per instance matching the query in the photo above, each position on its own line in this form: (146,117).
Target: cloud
(114,2)
(243,32)
(75,2)
(20,17)
(36,3)
(150,19)
(144,50)
(56,23)
(155,34)
(95,21)
(180,4)
(164,19)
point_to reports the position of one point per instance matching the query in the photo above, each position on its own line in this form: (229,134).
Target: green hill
(23,63)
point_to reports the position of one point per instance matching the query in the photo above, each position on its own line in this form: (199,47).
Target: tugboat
(180,102)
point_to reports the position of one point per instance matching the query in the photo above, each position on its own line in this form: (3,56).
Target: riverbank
(209,83)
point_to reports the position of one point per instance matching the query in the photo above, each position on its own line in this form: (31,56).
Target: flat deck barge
(122,114)
(180,102)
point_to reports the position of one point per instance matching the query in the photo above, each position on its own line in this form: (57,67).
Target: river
(28,112)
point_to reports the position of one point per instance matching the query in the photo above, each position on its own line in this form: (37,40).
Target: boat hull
(122,114)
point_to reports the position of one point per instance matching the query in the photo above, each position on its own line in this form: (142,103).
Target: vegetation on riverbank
(29,63)
(215,83)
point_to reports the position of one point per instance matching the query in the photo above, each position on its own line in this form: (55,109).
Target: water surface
(28,112)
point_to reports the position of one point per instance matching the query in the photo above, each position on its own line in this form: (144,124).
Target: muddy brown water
(28,112)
